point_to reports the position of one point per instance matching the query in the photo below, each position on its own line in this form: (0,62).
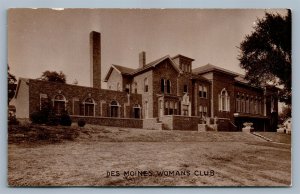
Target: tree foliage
(11,81)
(266,54)
(285,113)
(53,76)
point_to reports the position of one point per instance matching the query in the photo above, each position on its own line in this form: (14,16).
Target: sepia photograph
(149,97)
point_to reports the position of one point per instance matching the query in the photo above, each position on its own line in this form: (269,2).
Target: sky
(58,40)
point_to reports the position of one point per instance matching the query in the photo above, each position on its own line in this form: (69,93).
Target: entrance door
(185,110)
(136,113)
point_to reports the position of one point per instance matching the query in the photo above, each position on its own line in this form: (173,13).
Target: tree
(266,54)
(53,76)
(11,81)
(285,113)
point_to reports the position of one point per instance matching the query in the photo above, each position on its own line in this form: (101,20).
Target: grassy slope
(237,159)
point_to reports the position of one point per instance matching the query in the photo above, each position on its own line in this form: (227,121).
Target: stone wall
(176,122)
(108,121)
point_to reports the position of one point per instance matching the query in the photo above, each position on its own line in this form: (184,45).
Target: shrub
(12,120)
(81,123)
(65,120)
(39,117)
(53,120)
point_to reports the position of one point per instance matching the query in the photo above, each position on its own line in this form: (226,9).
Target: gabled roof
(209,67)
(19,83)
(129,71)
(120,69)
(124,70)
(156,62)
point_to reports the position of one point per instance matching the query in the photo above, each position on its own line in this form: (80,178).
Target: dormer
(184,63)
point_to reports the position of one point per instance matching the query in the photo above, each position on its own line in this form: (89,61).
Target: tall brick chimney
(95,57)
(142,59)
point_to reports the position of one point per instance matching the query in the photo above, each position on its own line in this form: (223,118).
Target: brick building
(165,93)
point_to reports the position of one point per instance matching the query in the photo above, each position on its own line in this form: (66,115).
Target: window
(204,111)
(89,107)
(259,106)
(168,86)
(243,103)
(247,104)
(171,109)
(185,88)
(251,105)
(204,92)
(146,85)
(200,110)
(224,101)
(200,91)
(59,104)
(162,85)
(238,103)
(166,108)
(165,86)
(255,105)
(114,109)
(176,109)
(134,87)
(44,103)
(127,89)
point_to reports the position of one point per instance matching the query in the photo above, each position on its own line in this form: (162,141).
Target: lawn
(152,158)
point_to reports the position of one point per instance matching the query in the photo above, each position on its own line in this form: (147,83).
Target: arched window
(224,101)
(114,109)
(137,111)
(146,85)
(89,107)
(59,104)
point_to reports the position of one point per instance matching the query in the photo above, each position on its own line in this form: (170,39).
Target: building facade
(168,88)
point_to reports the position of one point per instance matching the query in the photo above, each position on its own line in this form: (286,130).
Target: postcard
(149,97)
